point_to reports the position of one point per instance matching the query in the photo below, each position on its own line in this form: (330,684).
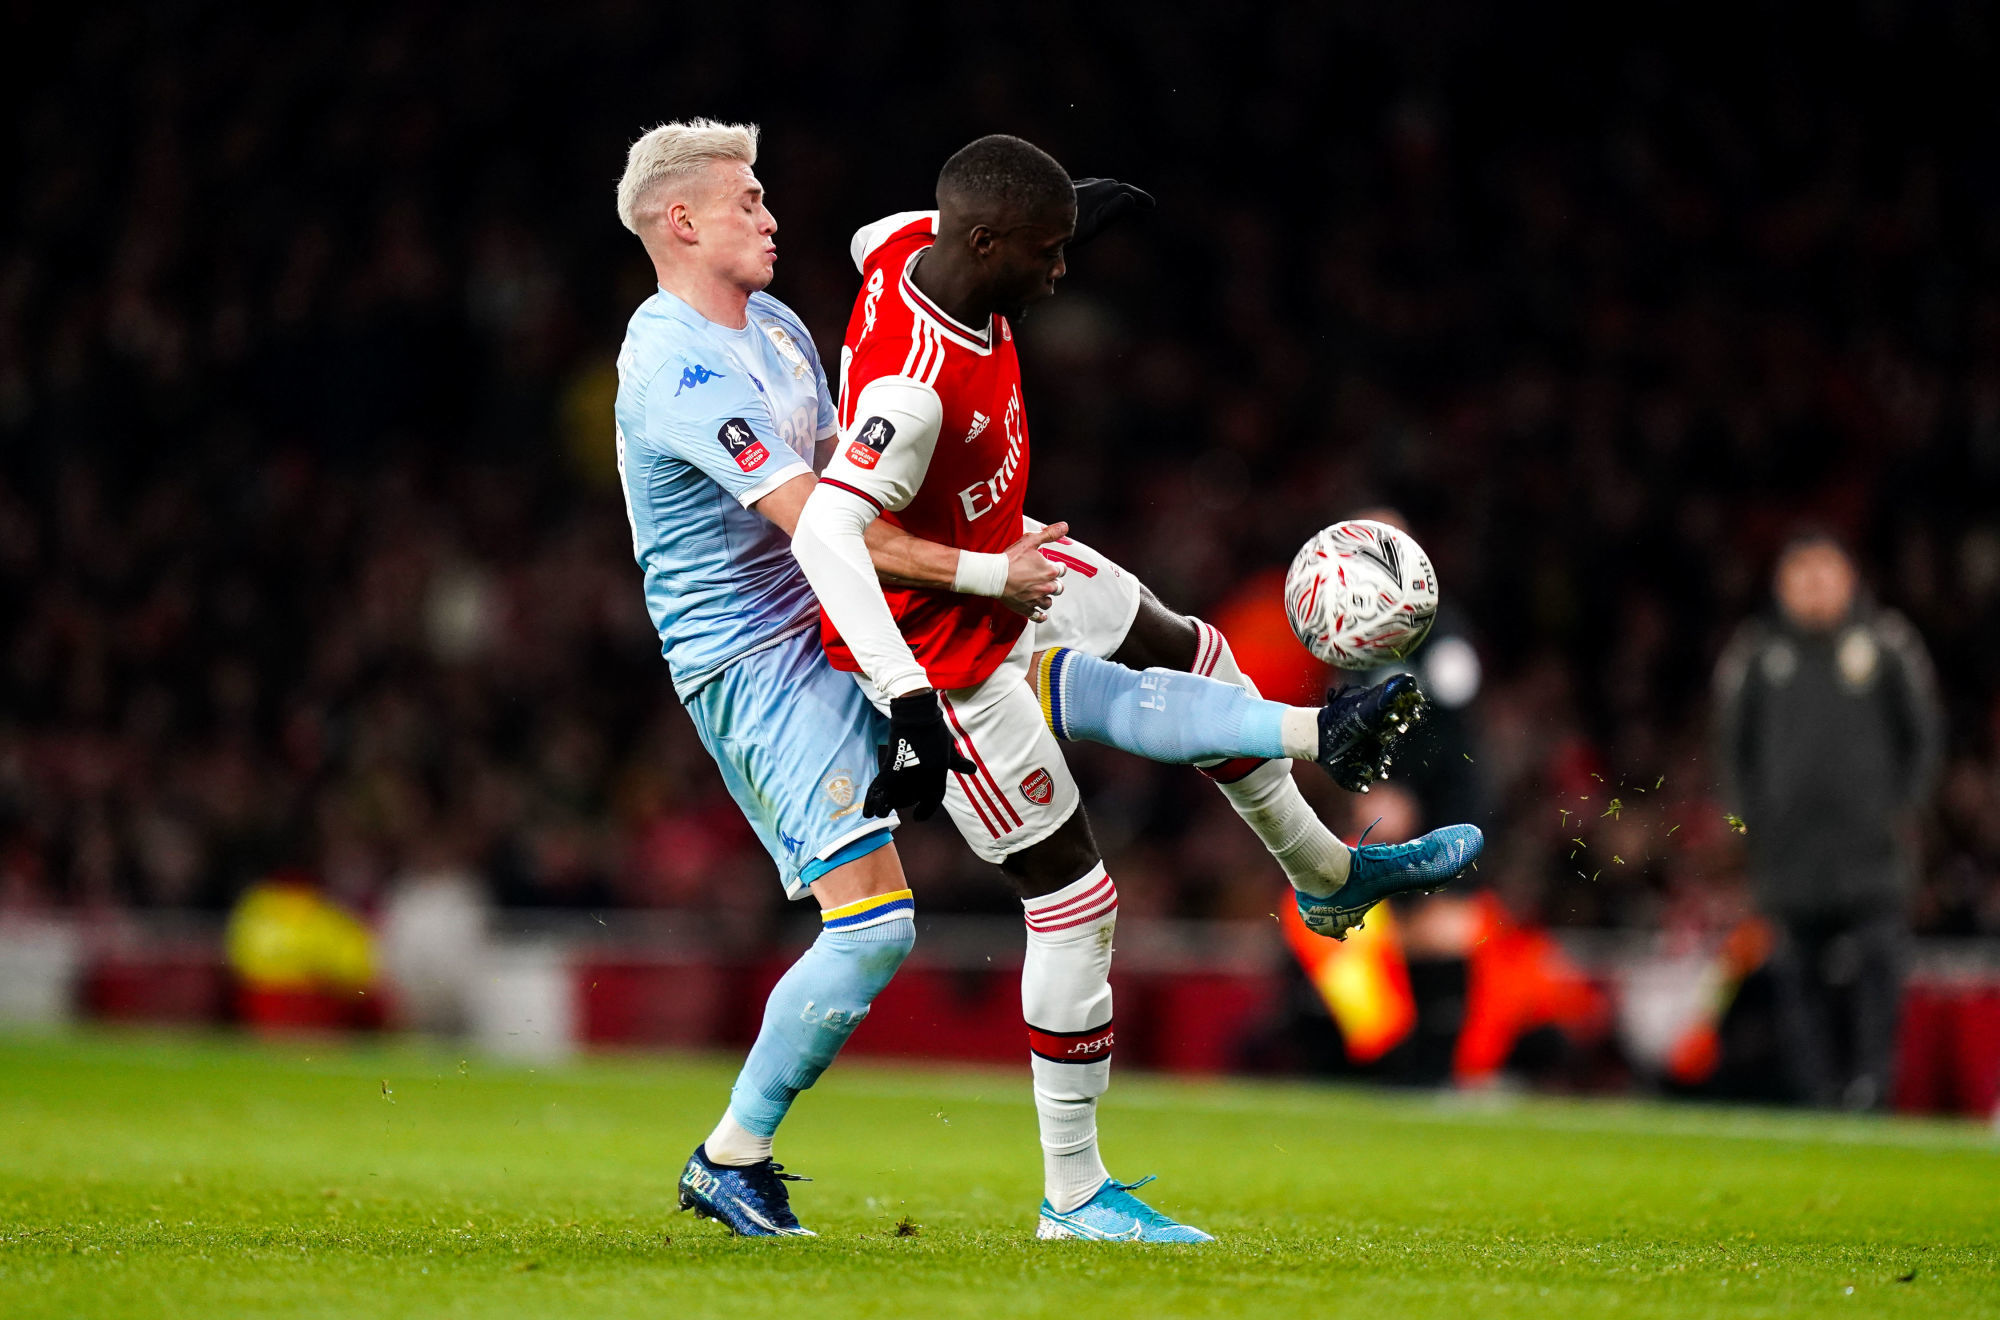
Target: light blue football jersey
(709,421)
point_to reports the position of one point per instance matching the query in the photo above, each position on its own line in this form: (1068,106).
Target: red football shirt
(970,494)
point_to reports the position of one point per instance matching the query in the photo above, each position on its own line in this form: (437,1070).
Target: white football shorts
(1098,602)
(1020,790)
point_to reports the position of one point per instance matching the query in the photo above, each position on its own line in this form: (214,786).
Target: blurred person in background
(1830,734)
(433,938)
(302,961)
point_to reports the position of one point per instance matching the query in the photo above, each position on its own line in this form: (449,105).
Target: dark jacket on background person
(1828,743)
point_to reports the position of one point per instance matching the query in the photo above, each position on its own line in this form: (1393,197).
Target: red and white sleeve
(877,465)
(883,456)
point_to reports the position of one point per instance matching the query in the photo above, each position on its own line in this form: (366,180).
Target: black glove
(910,770)
(1100,201)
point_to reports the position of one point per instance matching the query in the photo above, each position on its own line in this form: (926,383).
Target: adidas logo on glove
(906,756)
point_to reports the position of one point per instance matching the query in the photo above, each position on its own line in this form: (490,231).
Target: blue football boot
(1383,870)
(1359,728)
(1115,1215)
(749,1198)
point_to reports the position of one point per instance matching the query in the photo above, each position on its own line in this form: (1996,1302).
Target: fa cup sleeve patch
(873,436)
(743,444)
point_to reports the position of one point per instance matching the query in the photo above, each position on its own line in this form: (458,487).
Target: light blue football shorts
(795,740)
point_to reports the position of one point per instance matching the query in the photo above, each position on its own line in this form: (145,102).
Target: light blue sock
(1156,713)
(817,1005)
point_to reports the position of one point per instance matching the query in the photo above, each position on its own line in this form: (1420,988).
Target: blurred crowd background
(312,560)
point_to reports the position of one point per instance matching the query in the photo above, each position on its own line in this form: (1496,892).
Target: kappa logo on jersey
(870,439)
(743,444)
(693,376)
(979,420)
(1039,788)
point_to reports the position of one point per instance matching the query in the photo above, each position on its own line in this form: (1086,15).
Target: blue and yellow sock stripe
(1048,686)
(871,911)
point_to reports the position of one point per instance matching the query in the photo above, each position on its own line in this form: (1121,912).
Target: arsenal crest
(1039,788)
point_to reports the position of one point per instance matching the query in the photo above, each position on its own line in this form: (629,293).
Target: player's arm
(878,467)
(725,434)
(1027,580)
(1021,578)
(1913,690)
(1733,697)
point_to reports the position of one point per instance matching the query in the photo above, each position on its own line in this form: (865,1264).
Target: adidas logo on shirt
(978,425)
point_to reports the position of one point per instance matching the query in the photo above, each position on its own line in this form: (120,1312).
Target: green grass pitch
(166,1176)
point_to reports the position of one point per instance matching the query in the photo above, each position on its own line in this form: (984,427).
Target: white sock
(1066,1001)
(1298,730)
(1268,799)
(732,1143)
(1072,1170)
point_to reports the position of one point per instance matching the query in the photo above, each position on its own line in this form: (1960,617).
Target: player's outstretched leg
(1185,719)
(812,1011)
(1174,717)
(1359,727)
(1262,792)
(1336,885)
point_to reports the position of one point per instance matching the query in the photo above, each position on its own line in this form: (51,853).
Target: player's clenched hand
(1100,201)
(1033,580)
(910,769)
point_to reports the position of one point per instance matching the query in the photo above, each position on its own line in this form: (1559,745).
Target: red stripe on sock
(1206,651)
(1085,919)
(1231,771)
(1071,1046)
(1102,889)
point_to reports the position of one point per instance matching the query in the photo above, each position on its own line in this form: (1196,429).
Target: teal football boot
(1383,870)
(1113,1214)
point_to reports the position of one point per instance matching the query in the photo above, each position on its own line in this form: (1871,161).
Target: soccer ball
(1361,594)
